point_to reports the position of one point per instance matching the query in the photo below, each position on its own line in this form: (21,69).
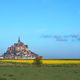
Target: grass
(19,71)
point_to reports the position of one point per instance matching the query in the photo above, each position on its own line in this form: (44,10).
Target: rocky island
(19,51)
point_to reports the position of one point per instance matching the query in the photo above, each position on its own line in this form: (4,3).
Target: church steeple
(19,40)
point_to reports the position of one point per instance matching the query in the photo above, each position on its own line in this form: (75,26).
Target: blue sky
(32,19)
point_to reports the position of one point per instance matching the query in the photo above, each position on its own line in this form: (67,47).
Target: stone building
(19,51)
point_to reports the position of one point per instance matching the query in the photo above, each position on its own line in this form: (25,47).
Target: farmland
(25,71)
(44,61)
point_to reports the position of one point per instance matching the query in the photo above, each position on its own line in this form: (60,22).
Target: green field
(45,72)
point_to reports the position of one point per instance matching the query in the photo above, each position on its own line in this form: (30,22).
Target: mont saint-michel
(19,51)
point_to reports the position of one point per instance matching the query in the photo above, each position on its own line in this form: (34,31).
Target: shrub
(38,61)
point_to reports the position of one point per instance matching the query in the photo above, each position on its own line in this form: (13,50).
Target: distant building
(19,51)
(1,57)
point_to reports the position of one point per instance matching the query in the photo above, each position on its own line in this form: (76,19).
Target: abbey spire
(19,40)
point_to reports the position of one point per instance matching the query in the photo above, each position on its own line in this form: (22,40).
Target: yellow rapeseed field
(45,61)
(61,61)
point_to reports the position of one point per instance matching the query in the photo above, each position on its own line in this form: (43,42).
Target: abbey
(19,51)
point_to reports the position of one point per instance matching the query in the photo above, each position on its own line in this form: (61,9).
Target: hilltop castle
(19,51)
